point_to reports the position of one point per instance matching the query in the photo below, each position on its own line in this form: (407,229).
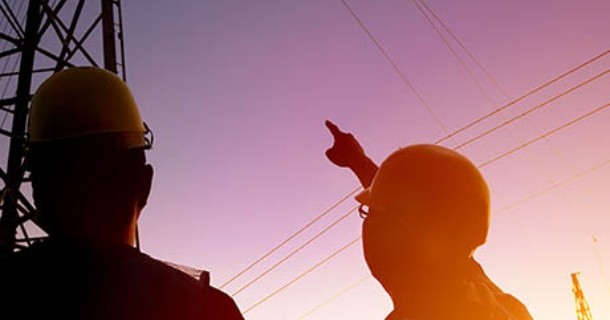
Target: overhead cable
(522,97)
(545,135)
(402,76)
(532,109)
(349,288)
(497,158)
(556,185)
(295,251)
(303,274)
(507,122)
(461,44)
(566,181)
(294,235)
(466,68)
(487,132)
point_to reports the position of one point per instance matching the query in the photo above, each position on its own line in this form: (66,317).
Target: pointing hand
(346,151)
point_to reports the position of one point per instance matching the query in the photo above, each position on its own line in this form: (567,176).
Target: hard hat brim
(364,197)
(109,142)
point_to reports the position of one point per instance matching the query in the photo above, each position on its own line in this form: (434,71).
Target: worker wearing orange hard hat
(90,180)
(426,210)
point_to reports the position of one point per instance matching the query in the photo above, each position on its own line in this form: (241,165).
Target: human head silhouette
(86,155)
(428,206)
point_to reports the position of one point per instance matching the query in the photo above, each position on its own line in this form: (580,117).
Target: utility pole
(37,39)
(582,307)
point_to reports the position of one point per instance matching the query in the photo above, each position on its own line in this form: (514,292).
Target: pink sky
(237,93)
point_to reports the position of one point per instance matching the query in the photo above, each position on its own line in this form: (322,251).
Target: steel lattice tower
(582,307)
(38,38)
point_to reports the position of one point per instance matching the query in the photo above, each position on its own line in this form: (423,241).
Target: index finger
(334,130)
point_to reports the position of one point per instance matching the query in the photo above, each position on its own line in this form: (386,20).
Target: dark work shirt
(54,280)
(473,296)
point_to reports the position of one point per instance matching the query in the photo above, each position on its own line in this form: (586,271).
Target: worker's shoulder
(222,305)
(147,268)
(485,292)
(157,276)
(516,308)
(219,305)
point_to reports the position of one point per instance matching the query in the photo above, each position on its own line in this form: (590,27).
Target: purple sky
(237,93)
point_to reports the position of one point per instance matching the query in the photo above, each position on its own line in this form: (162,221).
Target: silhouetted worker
(90,182)
(428,210)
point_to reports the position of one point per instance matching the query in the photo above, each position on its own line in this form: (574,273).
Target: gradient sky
(237,92)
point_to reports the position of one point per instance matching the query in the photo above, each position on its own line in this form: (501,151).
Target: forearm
(365,170)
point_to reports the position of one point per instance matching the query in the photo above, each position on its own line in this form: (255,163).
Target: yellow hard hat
(86,102)
(434,188)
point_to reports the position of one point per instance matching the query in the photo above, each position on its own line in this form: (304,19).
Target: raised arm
(346,152)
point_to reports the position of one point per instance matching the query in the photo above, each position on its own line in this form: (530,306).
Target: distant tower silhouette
(38,38)
(582,307)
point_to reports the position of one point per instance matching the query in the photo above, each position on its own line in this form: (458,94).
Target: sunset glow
(237,93)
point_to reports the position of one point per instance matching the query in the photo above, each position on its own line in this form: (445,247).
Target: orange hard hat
(435,189)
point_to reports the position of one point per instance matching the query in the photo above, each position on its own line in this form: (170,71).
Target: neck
(98,234)
(417,293)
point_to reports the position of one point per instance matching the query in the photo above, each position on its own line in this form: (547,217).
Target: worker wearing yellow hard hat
(426,210)
(90,181)
(82,123)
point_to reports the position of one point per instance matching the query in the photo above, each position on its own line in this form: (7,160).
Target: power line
(522,97)
(546,134)
(527,94)
(402,76)
(308,242)
(497,158)
(460,43)
(294,235)
(303,274)
(459,146)
(467,69)
(538,138)
(505,208)
(407,82)
(555,185)
(421,5)
(335,296)
(530,110)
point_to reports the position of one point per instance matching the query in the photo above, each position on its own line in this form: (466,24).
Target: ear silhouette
(144,185)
